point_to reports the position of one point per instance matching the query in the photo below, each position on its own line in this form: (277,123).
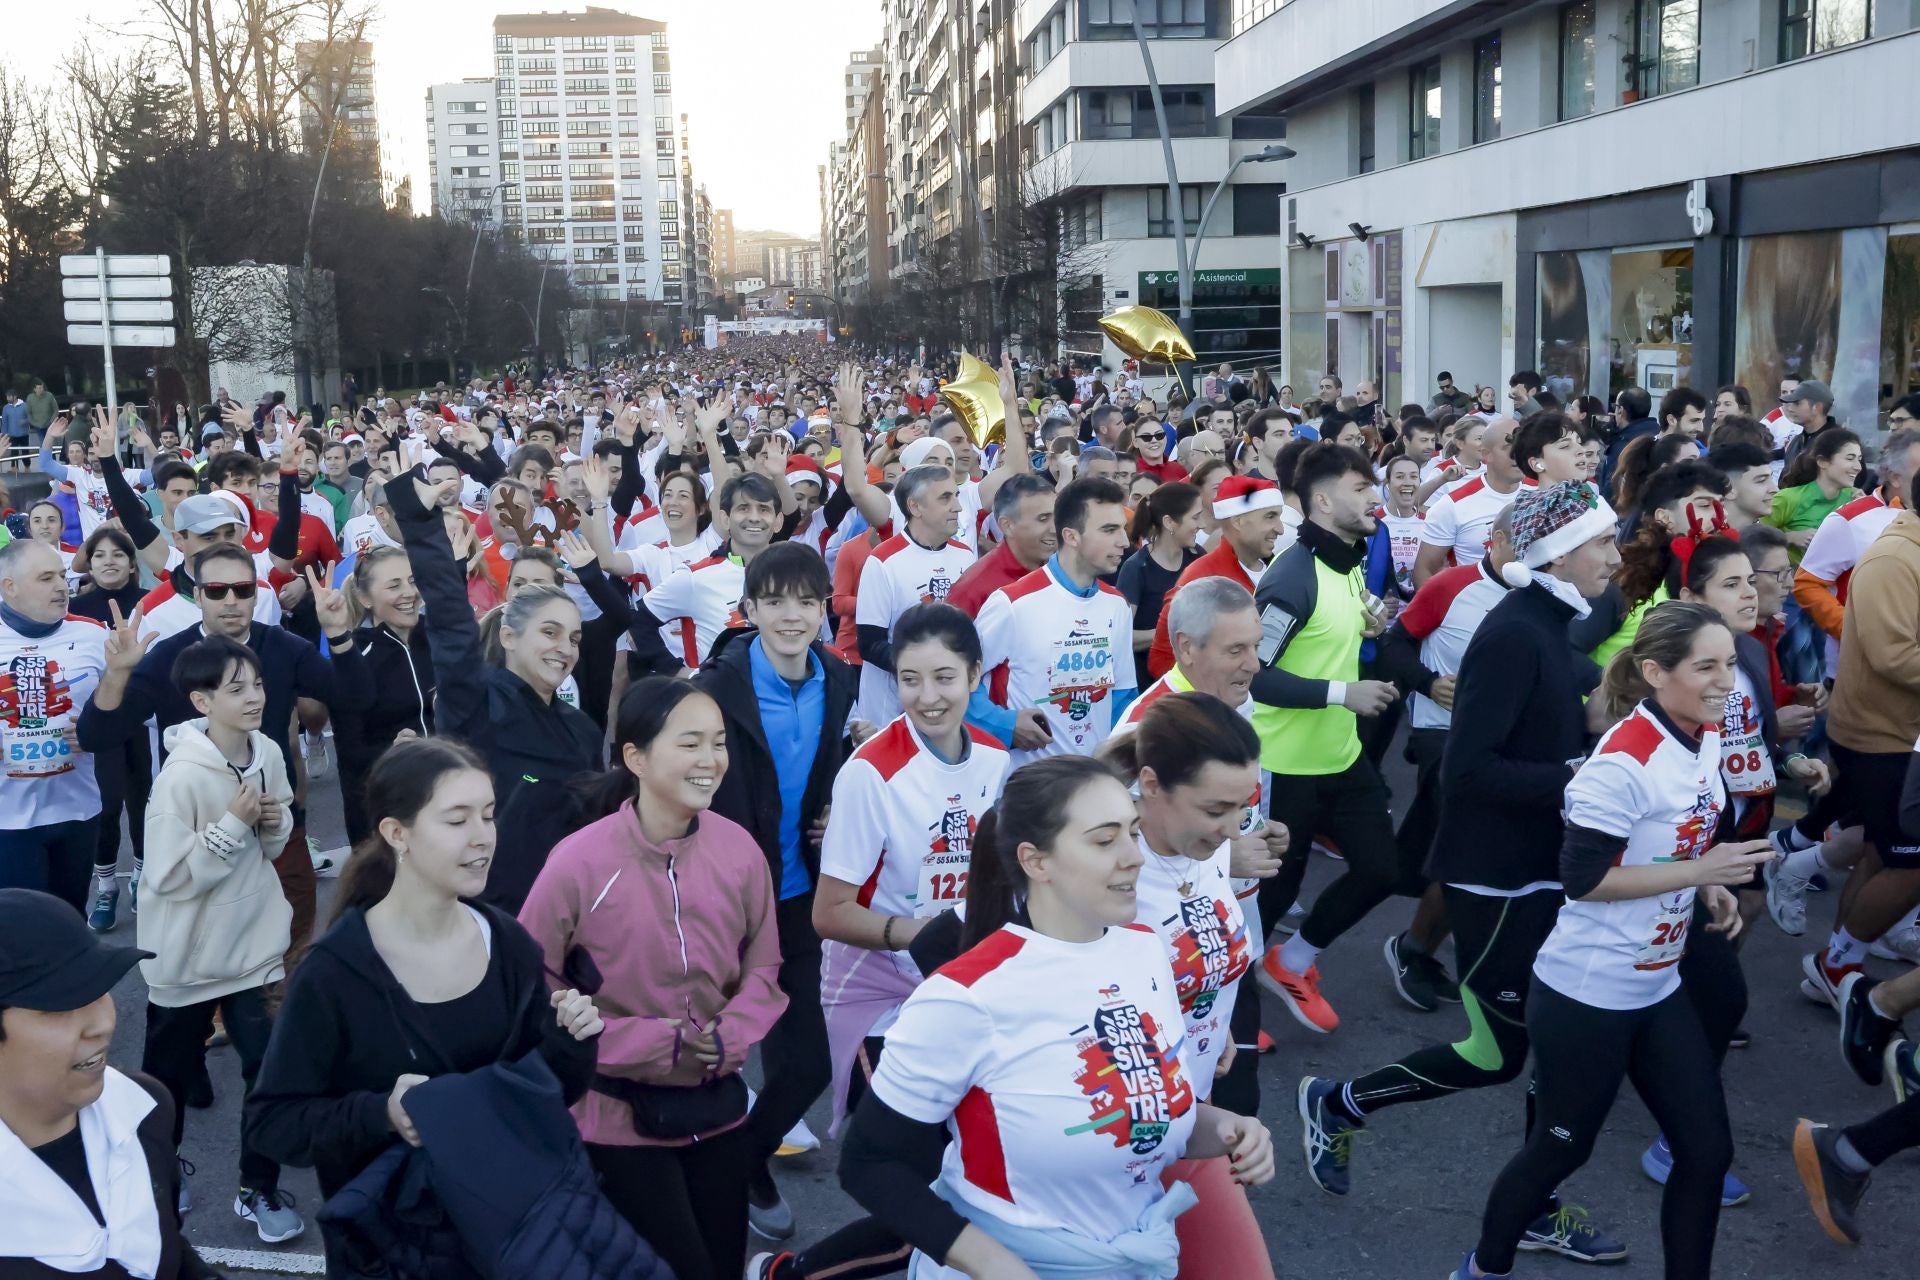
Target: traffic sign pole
(106,323)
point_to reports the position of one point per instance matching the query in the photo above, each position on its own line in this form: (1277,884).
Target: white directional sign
(124,313)
(122,264)
(118,287)
(93,335)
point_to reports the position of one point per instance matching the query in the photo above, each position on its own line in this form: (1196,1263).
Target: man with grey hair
(1097,462)
(917,565)
(49,801)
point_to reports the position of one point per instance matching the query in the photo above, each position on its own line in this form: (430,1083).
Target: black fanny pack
(671,1112)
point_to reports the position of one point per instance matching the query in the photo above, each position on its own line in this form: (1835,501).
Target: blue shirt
(1122,698)
(13,418)
(792,720)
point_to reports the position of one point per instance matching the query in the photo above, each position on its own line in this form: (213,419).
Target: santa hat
(1552,522)
(1244,495)
(801,467)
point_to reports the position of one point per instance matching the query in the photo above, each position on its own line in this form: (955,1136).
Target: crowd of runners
(748,713)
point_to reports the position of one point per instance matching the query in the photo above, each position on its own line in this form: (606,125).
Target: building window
(1666,47)
(1576,59)
(1160,223)
(1811,26)
(1113,19)
(1486,88)
(1363,106)
(1423,90)
(1128,113)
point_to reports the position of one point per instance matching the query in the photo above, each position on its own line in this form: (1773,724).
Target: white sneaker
(799,1140)
(314,747)
(325,864)
(1786,896)
(1902,942)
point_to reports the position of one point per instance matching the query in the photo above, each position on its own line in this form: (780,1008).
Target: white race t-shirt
(1047,646)
(1842,538)
(898,575)
(44,683)
(903,822)
(1061,1071)
(1663,797)
(1207,944)
(1460,519)
(704,600)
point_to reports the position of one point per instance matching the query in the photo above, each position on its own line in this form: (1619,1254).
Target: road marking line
(298,1264)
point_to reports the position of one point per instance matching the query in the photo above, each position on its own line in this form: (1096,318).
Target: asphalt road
(1421,1172)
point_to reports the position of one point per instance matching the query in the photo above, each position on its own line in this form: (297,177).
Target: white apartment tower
(588,131)
(463,157)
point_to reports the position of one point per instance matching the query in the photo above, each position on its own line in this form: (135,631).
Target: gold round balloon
(1147,334)
(974,397)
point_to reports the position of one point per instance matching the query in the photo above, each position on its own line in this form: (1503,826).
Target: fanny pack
(670,1112)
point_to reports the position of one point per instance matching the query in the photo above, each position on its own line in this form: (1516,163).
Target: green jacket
(40,410)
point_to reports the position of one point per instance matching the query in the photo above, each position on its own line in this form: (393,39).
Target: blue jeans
(54,859)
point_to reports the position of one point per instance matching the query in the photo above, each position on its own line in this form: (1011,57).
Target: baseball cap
(49,960)
(1812,389)
(203,513)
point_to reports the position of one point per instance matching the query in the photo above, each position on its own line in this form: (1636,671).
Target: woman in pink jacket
(670,908)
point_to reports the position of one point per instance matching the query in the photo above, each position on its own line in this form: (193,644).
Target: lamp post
(1185,253)
(453,374)
(484,211)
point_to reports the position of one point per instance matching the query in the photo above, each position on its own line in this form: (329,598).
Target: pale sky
(760,81)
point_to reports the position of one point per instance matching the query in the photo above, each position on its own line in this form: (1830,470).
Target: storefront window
(1608,319)
(1811,307)
(1900,317)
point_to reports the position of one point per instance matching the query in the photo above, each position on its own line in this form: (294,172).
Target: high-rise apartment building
(463,156)
(724,262)
(588,131)
(338,112)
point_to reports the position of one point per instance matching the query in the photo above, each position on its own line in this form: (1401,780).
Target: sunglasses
(221,590)
(1149,437)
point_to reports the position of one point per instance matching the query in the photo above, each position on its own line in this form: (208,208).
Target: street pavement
(1420,1172)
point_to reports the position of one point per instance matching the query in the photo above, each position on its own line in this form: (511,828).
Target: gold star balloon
(1147,334)
(974,397)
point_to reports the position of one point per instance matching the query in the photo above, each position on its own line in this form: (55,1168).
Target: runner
(417,976)
(1251,514)
(666,902)
(50,663)
(1041,1163)
(704,600)
(108,558)
(1458,519)
(917,565)
(1059,642)
(400,664)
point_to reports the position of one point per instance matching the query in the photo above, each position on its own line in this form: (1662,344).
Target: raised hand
(849,394)
(329,606)
(593,474)
(576,551)
(430,494)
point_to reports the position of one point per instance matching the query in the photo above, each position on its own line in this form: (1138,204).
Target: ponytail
(643,714)
(1032,809)
(1170,501)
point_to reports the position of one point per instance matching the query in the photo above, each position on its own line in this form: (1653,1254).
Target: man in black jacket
(1633,411)
(785,700)
(1517,729)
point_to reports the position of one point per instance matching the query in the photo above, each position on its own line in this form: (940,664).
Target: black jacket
(750,792)
(500,1187)
(534,747)
(1517,721)
(402,673)
(344,1036)
(178,1261)
(290,668)
(1626,436)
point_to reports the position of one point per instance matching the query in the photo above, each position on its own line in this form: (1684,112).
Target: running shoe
(1420,979)
(1326,1136)
(1657,1163)
(1740,1039)
(1786,893)
(324,863)
(106,909)
(1832,1192)
(799,1141)
(1822,982)
(1903,1070)
(767,1266)
(1466,1270)
(314,747)
(1569,1232)
(1264,1043)
(133,893)
(1300,992)
(183,1203)
(270,1212)
(767,1210)
(1864,1031)
(1898,943)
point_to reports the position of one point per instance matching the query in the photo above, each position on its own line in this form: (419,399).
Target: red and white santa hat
(1243,495)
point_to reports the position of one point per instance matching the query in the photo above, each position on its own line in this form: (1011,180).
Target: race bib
(1666,940)
(1744,759)
(36,749)
(1080,675)
(943,882)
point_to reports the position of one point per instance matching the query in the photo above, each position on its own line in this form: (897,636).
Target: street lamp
(453,374)
(484,211)
(1266,155)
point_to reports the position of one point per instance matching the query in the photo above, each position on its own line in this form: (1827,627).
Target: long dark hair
(1032,809)
(1805,467)
(1172,501)
(399,785)
(643,714)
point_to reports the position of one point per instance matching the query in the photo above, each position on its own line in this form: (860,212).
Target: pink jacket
(682,932)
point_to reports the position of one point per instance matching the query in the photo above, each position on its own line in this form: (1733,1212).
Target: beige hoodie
(211,909)
(1876,691)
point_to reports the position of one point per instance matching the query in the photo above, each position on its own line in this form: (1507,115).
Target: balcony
(1127,162)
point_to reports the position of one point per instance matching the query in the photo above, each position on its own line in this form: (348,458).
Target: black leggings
(175,1055)
(1886,1135)
(125,775)
(689,1203)
(1349,808)
(1580,1056)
